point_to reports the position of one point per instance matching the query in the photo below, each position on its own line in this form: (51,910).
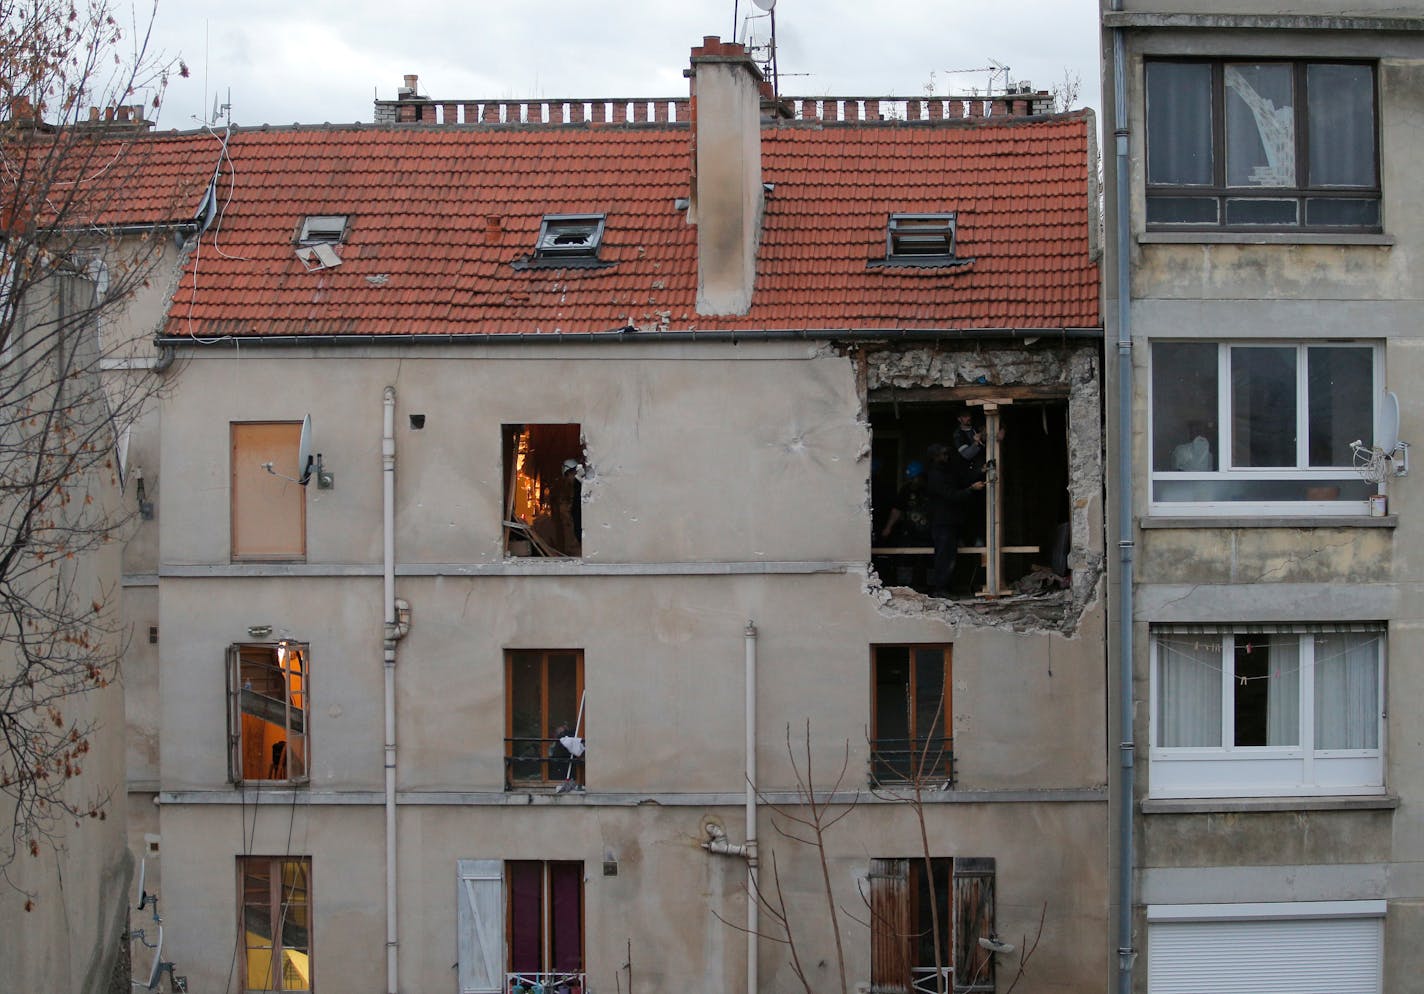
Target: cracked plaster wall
(1077,369)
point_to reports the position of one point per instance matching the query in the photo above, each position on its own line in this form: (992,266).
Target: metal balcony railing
(532,762)
(898,761)
(544,983)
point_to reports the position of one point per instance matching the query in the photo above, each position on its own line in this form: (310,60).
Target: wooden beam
(968,392)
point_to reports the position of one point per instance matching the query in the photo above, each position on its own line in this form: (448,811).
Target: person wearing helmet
(908,525)
(951,485)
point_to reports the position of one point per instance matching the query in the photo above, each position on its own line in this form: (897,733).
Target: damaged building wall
(698,515)
(1039,369)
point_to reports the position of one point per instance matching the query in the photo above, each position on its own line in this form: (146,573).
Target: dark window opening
(545,720)
(911,712)
(1012,535)
(543,490)
(268,705)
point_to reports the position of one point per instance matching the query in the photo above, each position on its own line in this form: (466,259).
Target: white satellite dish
(766,5)
(304,453)
(121,453)
(142,875)
(155,972)
(1388,439)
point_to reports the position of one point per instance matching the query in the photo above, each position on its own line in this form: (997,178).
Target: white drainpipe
(753,905)
(389,635)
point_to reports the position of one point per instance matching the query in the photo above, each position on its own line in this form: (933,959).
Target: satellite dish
(121,452)
(142,874)
(766,5)
(155,972)
(304,453)
(1389,423)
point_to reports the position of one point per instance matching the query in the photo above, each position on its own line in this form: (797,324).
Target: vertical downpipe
(1126,857)
(753,907)
(388,554)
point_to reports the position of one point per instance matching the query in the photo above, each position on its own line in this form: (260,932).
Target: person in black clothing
(950,487)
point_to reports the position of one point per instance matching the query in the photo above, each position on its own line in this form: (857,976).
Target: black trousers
(944,534)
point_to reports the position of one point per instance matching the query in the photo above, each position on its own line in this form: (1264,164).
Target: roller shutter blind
(1266,956)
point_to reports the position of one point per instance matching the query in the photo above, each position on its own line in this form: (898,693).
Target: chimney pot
(411,80)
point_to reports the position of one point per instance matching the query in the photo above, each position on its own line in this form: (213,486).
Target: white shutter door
(1267,956)
(480,926)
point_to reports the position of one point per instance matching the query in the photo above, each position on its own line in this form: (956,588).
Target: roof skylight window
(569,236)
(317,229)
(920,237)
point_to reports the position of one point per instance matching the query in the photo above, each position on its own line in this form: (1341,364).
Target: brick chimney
(727,198)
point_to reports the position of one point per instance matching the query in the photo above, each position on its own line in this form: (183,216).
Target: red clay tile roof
(419,259)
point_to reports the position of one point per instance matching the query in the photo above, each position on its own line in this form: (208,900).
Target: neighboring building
(80,259)
(1271,236)
(593,385)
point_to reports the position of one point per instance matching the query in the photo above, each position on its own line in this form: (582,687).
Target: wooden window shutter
(480,926)
(890,926)
(973,920)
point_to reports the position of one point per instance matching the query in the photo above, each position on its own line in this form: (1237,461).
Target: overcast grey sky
(324,60)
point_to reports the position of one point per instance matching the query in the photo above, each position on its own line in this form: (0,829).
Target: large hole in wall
(1028,483)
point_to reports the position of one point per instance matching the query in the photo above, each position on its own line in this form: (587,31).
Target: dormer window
(563,236)
(920,238)
(322,229)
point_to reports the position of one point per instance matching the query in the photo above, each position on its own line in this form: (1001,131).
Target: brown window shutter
(890,931)
(973,920)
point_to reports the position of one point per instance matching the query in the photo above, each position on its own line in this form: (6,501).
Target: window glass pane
(1184,406)
(563,692)
(1342,212)
(1258,211)
(929,693)
(566,916)
(1260,125)
(526,714)
(1263,406)
(1345,488)
(1182,210)
(1266,690)
(1189,691)
(1341,385)
(1347,706)
(892,712)
(526,915)
(1179,123)
(1341,116)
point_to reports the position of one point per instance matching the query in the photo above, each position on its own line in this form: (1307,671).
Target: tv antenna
(769,64)
(995,69)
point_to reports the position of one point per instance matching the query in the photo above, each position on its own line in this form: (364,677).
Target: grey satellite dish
(766,5)
(304,452)
(1389,423)
(155,972)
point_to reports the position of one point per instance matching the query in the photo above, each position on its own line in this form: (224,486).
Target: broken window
(1012,531)
(569,235)
(920,237)
(267,712)
(543,490)
(276,923)
(520,926)
(907,898)
(910,714)
(268,504)
(325,229)
(544,740)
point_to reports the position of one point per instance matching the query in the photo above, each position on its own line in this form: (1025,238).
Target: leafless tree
(68,387)
(1066,91)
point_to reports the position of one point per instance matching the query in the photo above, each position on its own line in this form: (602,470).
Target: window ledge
(1271,521)
(1221,805)
(1264,238)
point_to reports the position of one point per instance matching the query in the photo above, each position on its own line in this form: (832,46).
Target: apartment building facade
(1261,222)
(510,574)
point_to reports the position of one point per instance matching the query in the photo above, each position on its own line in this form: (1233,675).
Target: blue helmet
(915,469)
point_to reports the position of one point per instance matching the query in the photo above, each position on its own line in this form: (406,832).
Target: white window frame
(1302,471)
(1229,770)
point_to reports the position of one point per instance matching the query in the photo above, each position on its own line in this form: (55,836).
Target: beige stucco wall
(701,512)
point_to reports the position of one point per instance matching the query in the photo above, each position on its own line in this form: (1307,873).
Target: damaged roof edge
(628,335)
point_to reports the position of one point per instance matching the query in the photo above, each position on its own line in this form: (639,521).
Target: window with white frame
(1241,710)
(1262,426)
